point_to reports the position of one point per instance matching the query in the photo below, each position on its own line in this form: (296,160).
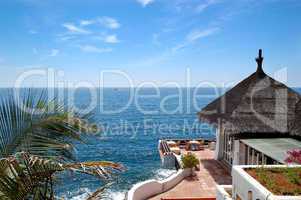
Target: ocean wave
(80,194)
(84,193)
(110,195)
(162,174)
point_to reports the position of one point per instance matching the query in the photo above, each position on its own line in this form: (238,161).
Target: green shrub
(190,161)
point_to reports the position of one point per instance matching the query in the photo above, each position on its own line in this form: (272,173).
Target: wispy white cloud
(109,22)
(204,5)
(193,6)
(94,49)
(197,34)
(33,32)
(84,27)
(194,36)
(178,47)
(54,52)
(190,39)
(64,37)
(75,29)
(111,39)
(86,22)
(144,3)
(50,54)
(1,60)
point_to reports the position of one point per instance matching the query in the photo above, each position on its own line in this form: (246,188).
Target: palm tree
(36,142)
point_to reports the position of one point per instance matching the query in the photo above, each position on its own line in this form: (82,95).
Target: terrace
(203,185)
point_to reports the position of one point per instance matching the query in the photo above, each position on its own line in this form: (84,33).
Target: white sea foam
(80,197)
(83,194)
(115,195)
(164,173)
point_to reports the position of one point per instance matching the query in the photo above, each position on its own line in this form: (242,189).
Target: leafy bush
(190,161)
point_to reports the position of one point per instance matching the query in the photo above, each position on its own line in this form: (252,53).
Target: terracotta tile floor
(204,183)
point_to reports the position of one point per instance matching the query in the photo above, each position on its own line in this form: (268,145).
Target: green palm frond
(25,176)
(34,124)
(98,194)
(101,169)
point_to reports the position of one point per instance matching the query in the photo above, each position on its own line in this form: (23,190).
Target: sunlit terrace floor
(203,185)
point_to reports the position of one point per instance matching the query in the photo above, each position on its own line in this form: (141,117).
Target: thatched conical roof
(258,104)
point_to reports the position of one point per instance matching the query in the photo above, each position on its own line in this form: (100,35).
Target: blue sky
(150,40)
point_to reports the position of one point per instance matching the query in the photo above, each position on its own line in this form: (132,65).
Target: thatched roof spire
(259,61)
(257,104)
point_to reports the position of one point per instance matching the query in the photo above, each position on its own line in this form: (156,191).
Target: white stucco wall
(144,190)
(147,189)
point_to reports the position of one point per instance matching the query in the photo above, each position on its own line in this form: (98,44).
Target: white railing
(221,192)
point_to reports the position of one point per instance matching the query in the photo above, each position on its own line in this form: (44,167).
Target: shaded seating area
(194,146)
(175,146)
(187,144)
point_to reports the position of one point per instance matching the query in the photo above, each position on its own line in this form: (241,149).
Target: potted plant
(190,161)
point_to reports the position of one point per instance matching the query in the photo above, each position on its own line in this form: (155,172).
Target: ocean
(133,124)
